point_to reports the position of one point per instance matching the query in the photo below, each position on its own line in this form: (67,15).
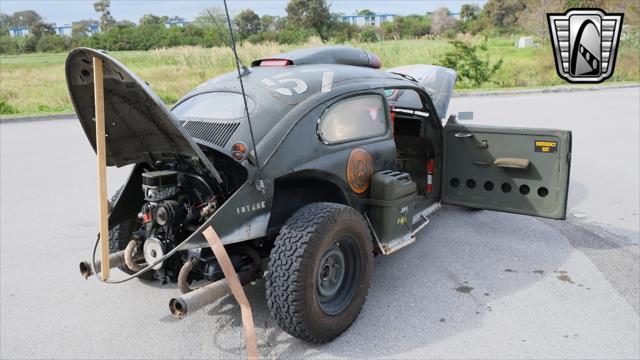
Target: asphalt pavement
(476,284)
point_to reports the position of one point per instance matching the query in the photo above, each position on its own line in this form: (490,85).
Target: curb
(556,89)
(28,118)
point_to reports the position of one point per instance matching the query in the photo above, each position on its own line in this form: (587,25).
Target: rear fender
(293,191)
(244,216)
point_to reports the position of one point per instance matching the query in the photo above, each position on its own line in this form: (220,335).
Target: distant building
(67,30)
(18,31)
(93,29)
(64,30)
(175,23)
(375,19)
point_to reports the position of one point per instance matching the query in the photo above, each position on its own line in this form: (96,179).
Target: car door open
(517,170)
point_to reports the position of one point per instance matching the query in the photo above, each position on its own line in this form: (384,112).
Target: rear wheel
(319,271)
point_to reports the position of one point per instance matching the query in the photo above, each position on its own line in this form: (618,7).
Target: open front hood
(139,127)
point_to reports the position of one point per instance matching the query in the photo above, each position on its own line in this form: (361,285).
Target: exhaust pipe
(207,294)
(183,276)
(116,259)
(130,254)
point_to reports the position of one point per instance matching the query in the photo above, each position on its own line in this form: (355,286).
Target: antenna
(259,182)
(245,70)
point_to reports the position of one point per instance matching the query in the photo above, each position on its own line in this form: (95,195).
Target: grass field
(35,83)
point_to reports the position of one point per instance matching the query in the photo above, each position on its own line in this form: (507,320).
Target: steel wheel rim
(336,276)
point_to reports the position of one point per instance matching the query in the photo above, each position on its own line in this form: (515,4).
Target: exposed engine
(176,203)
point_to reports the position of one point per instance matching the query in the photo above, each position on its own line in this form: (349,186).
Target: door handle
(480,163)
(512,163)
(463,135)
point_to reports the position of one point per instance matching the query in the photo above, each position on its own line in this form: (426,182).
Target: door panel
(515,170)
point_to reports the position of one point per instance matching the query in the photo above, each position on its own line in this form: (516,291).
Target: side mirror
(465,116)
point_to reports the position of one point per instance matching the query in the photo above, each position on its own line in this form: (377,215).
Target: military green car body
(475,166)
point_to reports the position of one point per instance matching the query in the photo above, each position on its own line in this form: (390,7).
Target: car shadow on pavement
(439,287)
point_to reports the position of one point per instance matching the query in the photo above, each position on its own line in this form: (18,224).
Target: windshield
(213,106)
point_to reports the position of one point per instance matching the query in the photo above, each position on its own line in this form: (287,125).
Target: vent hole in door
(543,191)
(455,182)
(524,189)
(488,185)
(471,183)
(506,187)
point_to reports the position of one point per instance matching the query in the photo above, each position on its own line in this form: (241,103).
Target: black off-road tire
(293,295)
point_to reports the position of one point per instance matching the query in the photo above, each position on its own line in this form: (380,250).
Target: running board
(426,212)
(419,225)
(420,221)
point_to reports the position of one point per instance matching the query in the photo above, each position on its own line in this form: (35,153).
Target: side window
(354,118)
(404,98)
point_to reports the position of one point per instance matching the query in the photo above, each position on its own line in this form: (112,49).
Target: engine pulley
(153,250)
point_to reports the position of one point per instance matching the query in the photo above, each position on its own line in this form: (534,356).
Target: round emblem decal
(359,170)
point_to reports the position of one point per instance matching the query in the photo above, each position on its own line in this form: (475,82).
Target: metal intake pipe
(116,259)
(207,294)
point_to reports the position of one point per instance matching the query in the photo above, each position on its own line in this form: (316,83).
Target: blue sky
(64,12)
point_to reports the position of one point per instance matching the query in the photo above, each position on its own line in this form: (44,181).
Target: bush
(51,43)
(6,108)
(290,36)
(264,36)
(8,45)
(29,44)
(370,34)
(465,60)
(449,34)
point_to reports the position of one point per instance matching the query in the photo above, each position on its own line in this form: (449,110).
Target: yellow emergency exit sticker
(546,146)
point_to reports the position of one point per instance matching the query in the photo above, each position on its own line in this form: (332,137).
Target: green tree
(310,14)
(442,21)
(24,18)
(150,20)
(533,19)
(470,67)
(125,24)
(410,26)
(4,23)
(81,28)
(204,20)
(469,12)
(103,7)
(247,22)
(267,22)
(41,28)
(365,12)
(504,14)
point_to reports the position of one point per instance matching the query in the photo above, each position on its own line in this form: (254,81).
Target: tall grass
(35,83)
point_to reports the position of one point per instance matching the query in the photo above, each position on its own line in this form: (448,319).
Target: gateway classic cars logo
(585,43)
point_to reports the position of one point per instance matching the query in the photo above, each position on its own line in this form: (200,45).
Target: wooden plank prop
(103,210)
(236,290)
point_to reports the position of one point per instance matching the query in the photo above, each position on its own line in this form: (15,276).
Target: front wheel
(319,271)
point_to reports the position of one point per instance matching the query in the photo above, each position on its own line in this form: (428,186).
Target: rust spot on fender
(359,170)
